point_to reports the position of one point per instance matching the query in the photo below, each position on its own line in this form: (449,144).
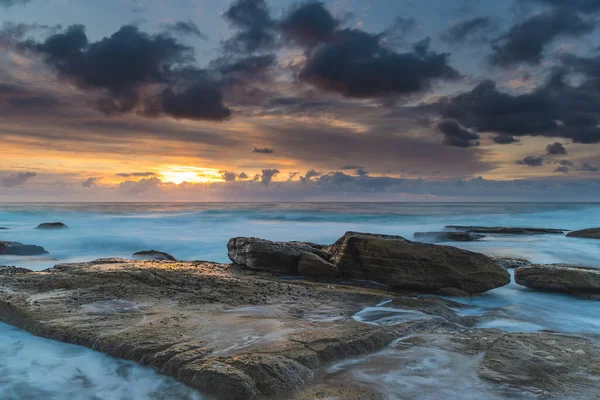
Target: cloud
(229,176)
(256,27)
(136,174)
(90,182)
(17,179)
(311,174)
(361,172)
(199,102)
(243,175)
(350,166)
(578,5)
(292,175)
(264,150)
(10,3)
(565,163)
(477,29)
(556,149)
(531,161)
(185,28)
(504,139)
(143,186)
(268,175)
(588,167)
(457,136)
(525,41)
(563,170)
(308,24)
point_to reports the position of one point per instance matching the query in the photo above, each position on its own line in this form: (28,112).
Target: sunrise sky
(343,100)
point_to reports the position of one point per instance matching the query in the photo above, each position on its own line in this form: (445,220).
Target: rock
(52,225)
(560,278)
(314,266)
(264,255)
(3,228)
(153,255)
(546,364)
(6,270)
(592,233)
(506,230)
(511,262)
(448,236)
(20,249)
(402,264)
(228,331)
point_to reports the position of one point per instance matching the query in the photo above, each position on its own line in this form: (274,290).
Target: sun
(180,174)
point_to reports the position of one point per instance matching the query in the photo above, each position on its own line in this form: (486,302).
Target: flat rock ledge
(591,233)
(564,278)
(503,230)
(239,334)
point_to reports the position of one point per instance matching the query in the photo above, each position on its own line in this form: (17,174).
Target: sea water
(201,231)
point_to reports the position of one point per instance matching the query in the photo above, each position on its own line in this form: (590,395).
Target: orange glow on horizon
(180,174)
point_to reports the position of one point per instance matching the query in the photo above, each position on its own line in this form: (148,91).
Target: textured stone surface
(560,278)
(511,262)
(402,264)
(507,230)
(591,233)
(153,255)
(20,249)
(314,266)
(448,236)
(52,225)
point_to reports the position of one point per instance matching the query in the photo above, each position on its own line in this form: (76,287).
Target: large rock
(591,233)
(264,255)
(511,262)
(52,225)
(506,230)
(10,270)
(402,264)
(153,255)
(312,265)
(560,278)
(448,236)
(20,249)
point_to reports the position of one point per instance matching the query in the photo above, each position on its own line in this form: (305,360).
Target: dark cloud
(228,176)
(504,139)
(565,163)
(350,166)
(264,150)
(136,174)
(588,167)
(361,172)
(12,33)
(457,136)
(525,41)
(355,64)
(199,102)
(17,179)
(90,182)
(563,170)
(243,175)
(256,27)
(268,175)
(311,174)
(531,161)
(476,29)
(556,149)
(292,175)
(185,28)
(308,24)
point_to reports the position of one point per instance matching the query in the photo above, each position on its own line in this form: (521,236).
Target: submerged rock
(402,264)
(591,233)
(3,228)
(501,230)
(511,262)
(275,257)
(52,225)
(560,278)
(20,249)
(449,236)
(153,255)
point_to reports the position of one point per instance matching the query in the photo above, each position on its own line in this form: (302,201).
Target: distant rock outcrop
(448,236)
(502,230)
(591,233)
(560,278)
(9,270)
(402,264)
(511,262)
(20,249)
(3,228)
(52,225)
(153,255)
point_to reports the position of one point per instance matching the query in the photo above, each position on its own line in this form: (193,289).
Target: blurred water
(201,231)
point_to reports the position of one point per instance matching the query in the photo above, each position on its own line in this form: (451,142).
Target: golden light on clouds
(180,174)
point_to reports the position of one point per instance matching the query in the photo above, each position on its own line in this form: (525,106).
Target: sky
(277,100)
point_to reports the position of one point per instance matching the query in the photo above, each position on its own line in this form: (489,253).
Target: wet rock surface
(20,249)
(501,230)
(11,270)
(153,255)
(591,233)
(402,264)
(560,278)
(448,236)
(511,262)
(52,225)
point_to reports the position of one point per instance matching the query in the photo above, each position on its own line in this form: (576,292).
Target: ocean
(200,231)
